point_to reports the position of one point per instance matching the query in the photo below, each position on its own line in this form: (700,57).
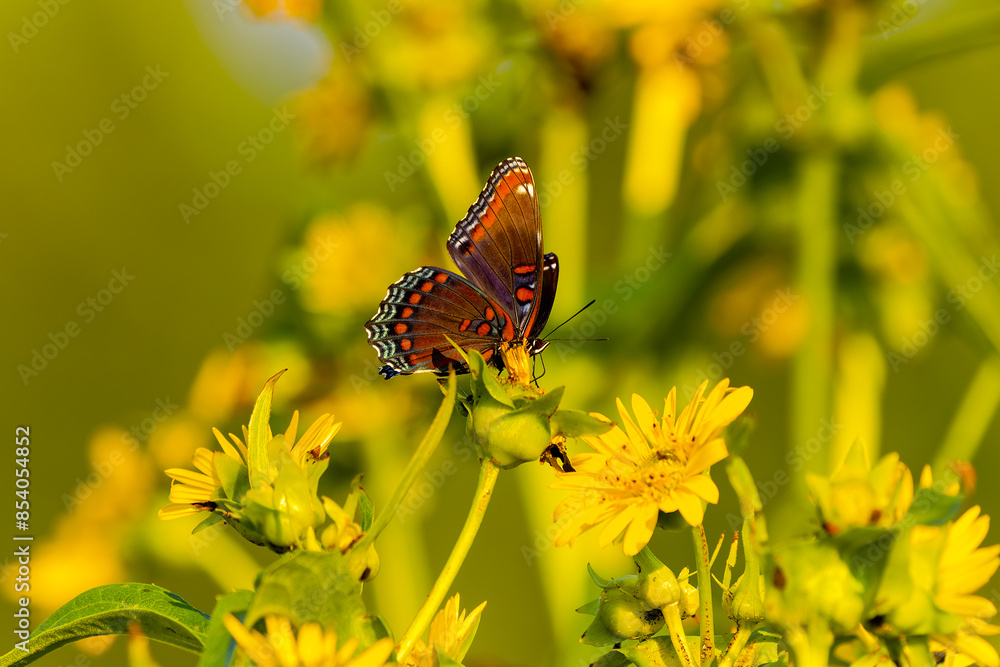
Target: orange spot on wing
(488,354)
(406,312)
(414,298)
(490,313)
(478,232)
(525,295)
(427,286)
(524,268)
(406,344)
(503,189)
(412,359)
(441,277)
(465,325)
(400,328)
(483,329)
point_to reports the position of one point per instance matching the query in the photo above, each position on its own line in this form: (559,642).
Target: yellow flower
(312,446)
(451,632)
(192,492)
(312,647)
(962,569)
(859,494)
(657,466)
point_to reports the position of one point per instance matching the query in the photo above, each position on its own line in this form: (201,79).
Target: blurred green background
(263,171)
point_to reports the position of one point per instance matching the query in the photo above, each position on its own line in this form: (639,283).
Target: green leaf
(218,642)
(259,433)
(313,586)
(612,659)
(234,476)
(545,404)
(484,382)
(109,610)
(931,507)
(416,466)
(573,424)
(208,522)
(366,512)
(598,579)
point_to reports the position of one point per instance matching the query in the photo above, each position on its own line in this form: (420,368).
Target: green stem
(677,636)
(484,491)
(705,594)
(736,646)
(812,367)
(416,466)
(949,34)
(973,417)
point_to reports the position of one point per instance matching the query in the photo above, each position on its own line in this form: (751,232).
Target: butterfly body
(498,308)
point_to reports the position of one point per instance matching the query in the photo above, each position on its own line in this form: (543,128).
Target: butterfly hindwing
(550,278)
(423,307)
(498,244)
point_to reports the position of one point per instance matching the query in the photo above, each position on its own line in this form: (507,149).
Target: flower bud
(657,585)
(621,616)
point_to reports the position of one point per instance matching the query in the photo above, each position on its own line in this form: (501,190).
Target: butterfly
(498,309)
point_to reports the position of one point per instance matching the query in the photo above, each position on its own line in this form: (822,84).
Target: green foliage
(110,610)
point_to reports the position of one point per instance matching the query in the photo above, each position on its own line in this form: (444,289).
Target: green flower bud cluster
(513,423)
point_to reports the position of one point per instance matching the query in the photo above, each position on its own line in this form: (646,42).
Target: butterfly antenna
(538,377)
(592,302)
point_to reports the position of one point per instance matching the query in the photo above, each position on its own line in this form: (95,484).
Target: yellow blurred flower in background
(336,284)
(334,117)
(308,10)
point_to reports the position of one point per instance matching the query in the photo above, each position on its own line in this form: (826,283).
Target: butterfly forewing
(423,307)
(498,244)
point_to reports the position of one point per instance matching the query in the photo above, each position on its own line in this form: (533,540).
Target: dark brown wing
(498,244)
